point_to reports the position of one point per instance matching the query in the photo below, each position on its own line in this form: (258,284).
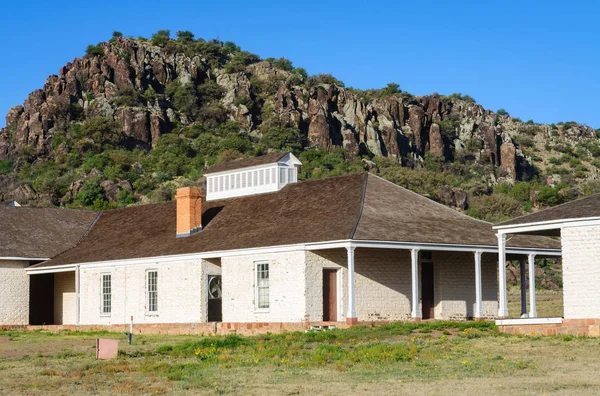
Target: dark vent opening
(210,214)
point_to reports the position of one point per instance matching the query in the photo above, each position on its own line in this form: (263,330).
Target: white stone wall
(180,287)
(64,298)
(581,272)
(382,283)
(14,293)
(454,285)
(286,281)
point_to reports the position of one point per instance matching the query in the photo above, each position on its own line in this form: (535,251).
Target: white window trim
(102,313)
(256,308)
(147,292)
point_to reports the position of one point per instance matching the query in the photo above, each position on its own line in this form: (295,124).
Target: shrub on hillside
(94,50)
(281,138)
(161,38)
(494,208)
(185,36)
(183,97)
(96,134)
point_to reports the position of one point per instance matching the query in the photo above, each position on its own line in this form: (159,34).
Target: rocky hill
(135,118)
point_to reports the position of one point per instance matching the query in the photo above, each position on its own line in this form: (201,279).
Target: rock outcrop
(128,86)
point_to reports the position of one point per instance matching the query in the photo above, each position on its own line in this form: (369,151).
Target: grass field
(426,358)
(549,303)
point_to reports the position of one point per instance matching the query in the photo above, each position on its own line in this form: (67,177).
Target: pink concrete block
(106,348)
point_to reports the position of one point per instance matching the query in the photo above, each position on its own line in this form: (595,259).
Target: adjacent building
(577,224)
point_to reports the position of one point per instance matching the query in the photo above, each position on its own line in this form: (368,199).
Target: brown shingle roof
(309,211)
(41,233)
(578,209)
(394,213)
(246,163)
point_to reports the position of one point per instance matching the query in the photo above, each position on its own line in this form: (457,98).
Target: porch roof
(548,221)
(36,233)
(357,207)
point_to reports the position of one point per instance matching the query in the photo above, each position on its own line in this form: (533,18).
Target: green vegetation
(5,166)
(440,357)
(88,149)
(94,50)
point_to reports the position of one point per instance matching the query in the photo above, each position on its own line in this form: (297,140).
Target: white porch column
(414,257)
(532,310)
(503,307)
(351,315)
(478,298)
(77,304)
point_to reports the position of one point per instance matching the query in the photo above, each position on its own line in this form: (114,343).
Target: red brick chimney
(189,211)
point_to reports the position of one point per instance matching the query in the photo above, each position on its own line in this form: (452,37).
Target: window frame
(103,311)
(150,312)
(257,288)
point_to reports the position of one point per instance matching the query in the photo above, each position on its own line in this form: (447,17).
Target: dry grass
(549,303)
(430,358)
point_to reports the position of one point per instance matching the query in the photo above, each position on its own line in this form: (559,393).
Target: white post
(77,309)
(414,256)
(503,307)
(478,298)
(351,315)
(532,310)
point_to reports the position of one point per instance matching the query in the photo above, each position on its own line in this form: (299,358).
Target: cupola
(263,174)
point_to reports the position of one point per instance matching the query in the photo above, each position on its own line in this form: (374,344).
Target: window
(237,181)
(282,174)
(255,178)
(106,293)
(426,256)
(262,285)
(220,183)
(152,288)
(274,175)
(209,184)
(244,180)
(262,177)
(292,176)
(268,176)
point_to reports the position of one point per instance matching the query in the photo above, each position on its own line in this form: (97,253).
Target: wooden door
(427,300)
(329,295)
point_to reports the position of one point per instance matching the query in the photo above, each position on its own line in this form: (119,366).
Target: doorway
(427,297)
(330,300)
(215,301)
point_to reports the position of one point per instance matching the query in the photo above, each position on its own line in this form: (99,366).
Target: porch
(421,282)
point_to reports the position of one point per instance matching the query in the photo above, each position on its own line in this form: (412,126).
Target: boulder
(452,196)
(436,143)
(508,159)
(22,194)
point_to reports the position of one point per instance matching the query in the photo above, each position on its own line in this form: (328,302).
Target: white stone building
(29,236)
(577,223)
(261,250)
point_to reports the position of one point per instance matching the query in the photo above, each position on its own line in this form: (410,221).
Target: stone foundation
(201,329)
(576,327)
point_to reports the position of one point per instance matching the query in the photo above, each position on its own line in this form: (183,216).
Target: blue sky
(538,60)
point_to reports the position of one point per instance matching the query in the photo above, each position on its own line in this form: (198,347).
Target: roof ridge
(361,207)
